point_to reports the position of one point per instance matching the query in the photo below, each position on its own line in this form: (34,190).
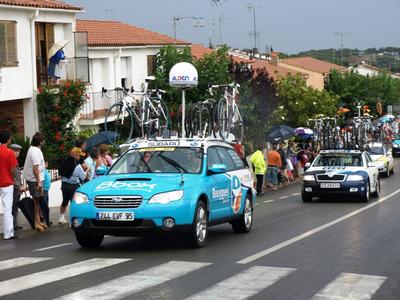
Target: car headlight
(80,198)
(308,178)
(355,178)
(165,198)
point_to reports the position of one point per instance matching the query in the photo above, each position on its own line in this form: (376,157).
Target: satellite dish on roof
(183,75)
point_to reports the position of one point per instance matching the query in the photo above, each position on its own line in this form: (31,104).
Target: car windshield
(376,150)
(338,160)
(160,160)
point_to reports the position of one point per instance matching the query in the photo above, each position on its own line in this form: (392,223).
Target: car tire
(243,225)
(365,197)
(387,173)
(305,197)
(197,236)
(89,240)
(377,189)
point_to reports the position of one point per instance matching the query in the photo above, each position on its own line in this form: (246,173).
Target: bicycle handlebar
(216,86)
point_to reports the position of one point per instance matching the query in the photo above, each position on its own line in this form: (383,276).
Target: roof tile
(55,4)
(312,64)
(113,33)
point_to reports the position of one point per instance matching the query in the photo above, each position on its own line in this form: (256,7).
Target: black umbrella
(284,127)
(102,137)
(279,134)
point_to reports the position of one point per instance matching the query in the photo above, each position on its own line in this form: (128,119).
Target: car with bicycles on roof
(166,185)
(341,173)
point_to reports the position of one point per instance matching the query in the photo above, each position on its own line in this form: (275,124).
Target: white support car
(382,155)
(341,173)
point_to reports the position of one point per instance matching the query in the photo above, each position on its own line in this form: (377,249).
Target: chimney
(274,57)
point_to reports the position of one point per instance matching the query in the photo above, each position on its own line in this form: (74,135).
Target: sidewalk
(27,229)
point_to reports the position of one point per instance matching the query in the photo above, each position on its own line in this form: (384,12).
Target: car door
(389,155)
(217,185)
(373,172)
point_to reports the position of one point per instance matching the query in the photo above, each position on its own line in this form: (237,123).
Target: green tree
(352,87)
(299,102)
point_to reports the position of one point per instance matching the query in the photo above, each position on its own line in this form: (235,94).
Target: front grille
(118,201)
(325,177)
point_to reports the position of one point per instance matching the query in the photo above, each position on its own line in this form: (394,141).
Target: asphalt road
(336,249)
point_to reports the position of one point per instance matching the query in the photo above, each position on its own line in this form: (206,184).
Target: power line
(341,34)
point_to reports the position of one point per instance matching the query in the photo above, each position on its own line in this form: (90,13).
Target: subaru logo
(116,199)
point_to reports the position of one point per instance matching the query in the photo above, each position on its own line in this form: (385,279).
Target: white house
(28,29)
(120,55)
(368,70)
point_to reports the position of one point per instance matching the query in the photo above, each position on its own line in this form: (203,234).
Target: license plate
(115,216)
(330,185)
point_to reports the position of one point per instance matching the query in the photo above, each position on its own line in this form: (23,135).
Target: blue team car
(166,186)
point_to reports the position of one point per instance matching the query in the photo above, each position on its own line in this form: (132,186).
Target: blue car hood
(145,185)
(396,142)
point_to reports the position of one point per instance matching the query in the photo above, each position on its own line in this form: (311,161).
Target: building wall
(20,82)
(314,80)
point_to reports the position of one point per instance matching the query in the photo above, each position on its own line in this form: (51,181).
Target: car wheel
(377,189)
(243,225)
(197,236)
(305,197)
(365,197)
(89,240)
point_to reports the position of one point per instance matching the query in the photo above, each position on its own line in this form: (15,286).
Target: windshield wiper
(175,165)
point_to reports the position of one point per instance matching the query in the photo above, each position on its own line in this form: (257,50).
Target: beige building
(317,70)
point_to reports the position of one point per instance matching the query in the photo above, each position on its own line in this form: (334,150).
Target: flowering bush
(58,106)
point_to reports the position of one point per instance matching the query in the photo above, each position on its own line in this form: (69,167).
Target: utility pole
(341,34)
(197,26)
(221,20)
(252,9)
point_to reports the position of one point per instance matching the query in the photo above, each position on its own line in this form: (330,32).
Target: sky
(289,26)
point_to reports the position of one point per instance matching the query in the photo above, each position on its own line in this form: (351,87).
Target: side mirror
(101,170)
(307,165)
(218,168)
(371,165)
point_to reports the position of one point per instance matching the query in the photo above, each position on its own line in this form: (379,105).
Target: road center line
(313,231)
(268,201)
(283,197)
(52,247)
(295,194)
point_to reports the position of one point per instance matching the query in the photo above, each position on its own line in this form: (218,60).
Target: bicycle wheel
(200,118)
(236,127)
(223,120)
(120,121)
(164,120)
(149,121)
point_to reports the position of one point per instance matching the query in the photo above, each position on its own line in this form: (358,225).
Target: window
(212,157)
(236,159)
(8,44)
(151,64)
(226,159)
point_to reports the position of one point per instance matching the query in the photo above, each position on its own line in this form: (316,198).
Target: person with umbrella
(56,59)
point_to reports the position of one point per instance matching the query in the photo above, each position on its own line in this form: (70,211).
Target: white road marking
(351,286)
(21,261)
(22,283)
(283,197)
(245,284)
(257,204)
(269,201)
(313,231)
(295,194)
(52,247)
(125,286)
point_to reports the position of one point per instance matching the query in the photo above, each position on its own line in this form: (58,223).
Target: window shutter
(8,44)
(151,64)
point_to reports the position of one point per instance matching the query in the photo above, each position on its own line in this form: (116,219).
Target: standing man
(17,185)
(274,163)
(33,174)
(259,168)
(8,164)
